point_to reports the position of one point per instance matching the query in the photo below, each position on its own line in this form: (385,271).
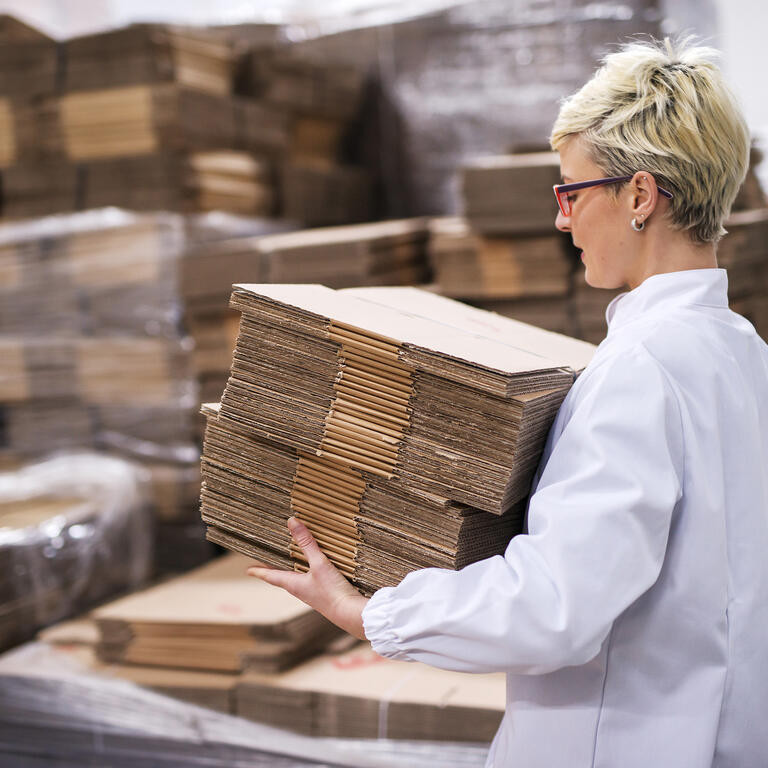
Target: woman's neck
(674,253)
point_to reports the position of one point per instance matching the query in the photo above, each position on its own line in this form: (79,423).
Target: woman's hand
(322,588)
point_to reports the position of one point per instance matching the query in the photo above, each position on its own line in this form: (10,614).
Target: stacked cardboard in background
(213,619)
(402,427)
(358,694)
(146,118)
(383,253)
(537,278)
(349,692)
(73,530)
(114,326)
(744,253)
(53,700)
(505,254)
(96,349)
(218,638)
(28,64)
(321,185)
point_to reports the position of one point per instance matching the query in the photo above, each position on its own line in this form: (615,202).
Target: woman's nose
(563,223)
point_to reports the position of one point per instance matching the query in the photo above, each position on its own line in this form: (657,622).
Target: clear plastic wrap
(73,529)
(110,324)
(51,708)
(475,78)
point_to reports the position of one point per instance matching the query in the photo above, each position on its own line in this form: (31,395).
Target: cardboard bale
(333,392)
(328,89)
(38,189)
(469,266)
(743,252)
(71,532)
(150,53)
(511,194)
(590,305)
(381,253)
(143,119)
(320,194)
(551,314)
(215,618)
(361,695)
(28,60)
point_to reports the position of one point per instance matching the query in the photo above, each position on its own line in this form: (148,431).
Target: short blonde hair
(664,107)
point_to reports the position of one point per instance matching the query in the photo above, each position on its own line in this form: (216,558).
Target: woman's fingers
(306,542)
(323,588)
(287,580)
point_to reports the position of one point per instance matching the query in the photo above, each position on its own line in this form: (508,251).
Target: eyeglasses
(562,190)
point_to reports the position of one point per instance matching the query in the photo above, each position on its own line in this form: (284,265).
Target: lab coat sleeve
(597,531)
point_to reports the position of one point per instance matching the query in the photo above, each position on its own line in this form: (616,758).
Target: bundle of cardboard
(150,53)
(383,253)
(29,64)
(72,531)
(52,703)
(469,265)
(351,693)
(161,117)
(216,619)
(511,194)
(402,427)
(320,185)
(506,255)
(359,694)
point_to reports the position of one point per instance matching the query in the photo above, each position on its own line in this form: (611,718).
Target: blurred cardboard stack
(96,352)
(744,253)
(506,255)
(320,181)
(408,713)
(493,257)
(214,619)
(382,253)
(402,427)
(744,250)
(146,118)
(361,695)
(73,530)
(218,638)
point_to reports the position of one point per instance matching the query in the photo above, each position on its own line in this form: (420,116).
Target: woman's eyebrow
(565,179)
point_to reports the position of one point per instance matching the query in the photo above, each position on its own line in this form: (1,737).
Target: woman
(632,616)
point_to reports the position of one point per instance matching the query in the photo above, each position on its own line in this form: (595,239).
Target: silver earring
(638,226)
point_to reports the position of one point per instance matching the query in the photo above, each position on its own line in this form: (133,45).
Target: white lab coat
(632,617)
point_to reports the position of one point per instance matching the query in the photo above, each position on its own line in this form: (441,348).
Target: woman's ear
(644,195)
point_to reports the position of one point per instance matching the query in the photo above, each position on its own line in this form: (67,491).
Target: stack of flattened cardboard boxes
(73,530)
(505,254)
(147,118)
(404,428)
(218,638)
(490,258)
(96,353)
(321,183)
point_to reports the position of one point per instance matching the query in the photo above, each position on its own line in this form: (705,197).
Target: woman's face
(599,223)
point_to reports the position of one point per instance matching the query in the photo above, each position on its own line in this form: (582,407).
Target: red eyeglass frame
(562,190)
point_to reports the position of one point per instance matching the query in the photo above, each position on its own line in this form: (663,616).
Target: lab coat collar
(666,291)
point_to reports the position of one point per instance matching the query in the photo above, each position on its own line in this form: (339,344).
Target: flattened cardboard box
(215,618)
(359,694)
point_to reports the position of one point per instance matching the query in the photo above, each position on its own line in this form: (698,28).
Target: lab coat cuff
(377,624)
